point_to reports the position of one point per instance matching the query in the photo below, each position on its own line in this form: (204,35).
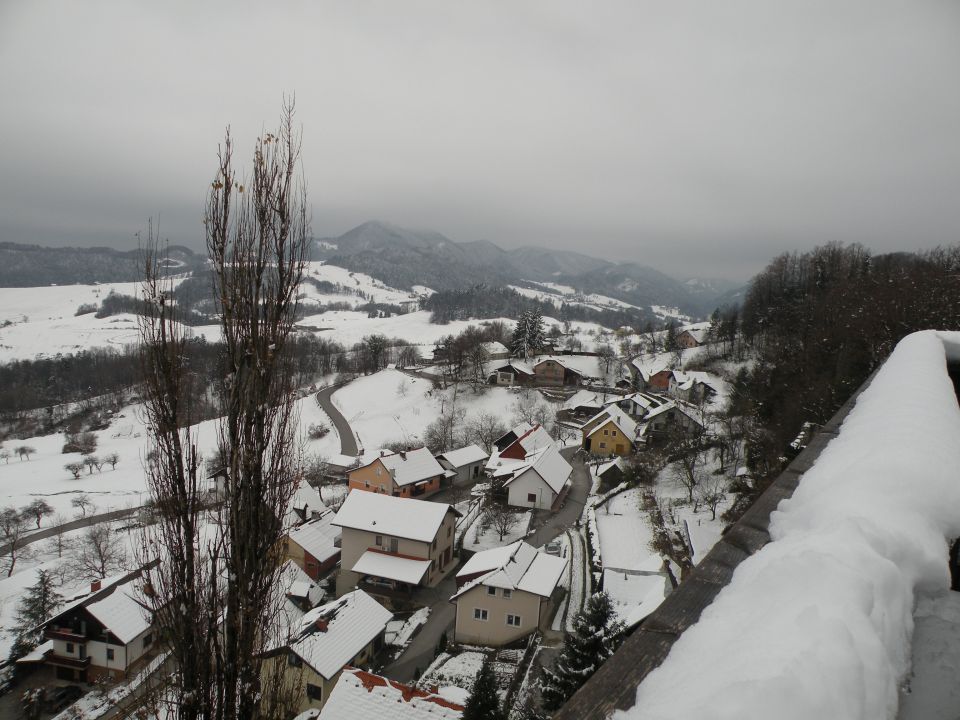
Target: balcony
(68,661)
(64,633)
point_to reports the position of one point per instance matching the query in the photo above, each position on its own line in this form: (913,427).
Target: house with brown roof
(408,473)
(505,593)
(314,545)
(391,546)
(692,337)
(360,695)
(554,371)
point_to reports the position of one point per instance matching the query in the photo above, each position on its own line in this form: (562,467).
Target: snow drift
(818,623)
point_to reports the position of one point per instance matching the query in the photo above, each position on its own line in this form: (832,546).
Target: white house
(539,481)
(466,463)
(102,634)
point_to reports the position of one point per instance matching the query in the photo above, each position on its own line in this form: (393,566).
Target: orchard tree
(83,503)
(113,458)
(12,526)
(75,468)
(25,451)
(36,511)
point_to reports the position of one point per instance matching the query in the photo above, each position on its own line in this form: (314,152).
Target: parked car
(553,547)
(62,697)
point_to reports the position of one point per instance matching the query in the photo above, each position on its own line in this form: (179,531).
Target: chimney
(383,453)
(320,625)
(403,454)
(95,586)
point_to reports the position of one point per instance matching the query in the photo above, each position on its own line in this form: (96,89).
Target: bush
(317,431)
(86,309)
(83,443)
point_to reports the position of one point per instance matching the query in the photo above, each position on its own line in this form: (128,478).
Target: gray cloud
(698,137)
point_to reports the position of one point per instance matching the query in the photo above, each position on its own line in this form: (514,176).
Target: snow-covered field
(391,405)
(359,288)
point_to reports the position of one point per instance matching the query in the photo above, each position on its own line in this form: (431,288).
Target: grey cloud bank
(698,137)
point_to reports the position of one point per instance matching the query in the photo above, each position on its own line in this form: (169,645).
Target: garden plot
(484,537)
(625,532)
(458,670)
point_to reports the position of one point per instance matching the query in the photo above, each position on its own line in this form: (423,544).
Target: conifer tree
(536,337)
(518,344)
(596,635)
(37,606)
(483,702)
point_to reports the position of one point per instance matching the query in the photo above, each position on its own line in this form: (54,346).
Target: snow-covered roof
(518,365)
(549,464)
(38,654)
(686,379)
(344,461)
(318,537)
(697,333)
(563,362)
(589,398)
(360,695)
(390,566)
(121,614)
(331,635)
(410,466)
(495,348)
(297,584)
(530,438)
(464,456)
(647,368)
(603,468)
(305,501)
(618,417)
(516,567)
(387,515)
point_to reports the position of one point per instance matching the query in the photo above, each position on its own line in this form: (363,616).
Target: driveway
(556,523)
(348,442)
(422,649)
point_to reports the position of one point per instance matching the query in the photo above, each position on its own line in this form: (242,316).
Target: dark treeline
(821,322)
(484,302)
(27,385)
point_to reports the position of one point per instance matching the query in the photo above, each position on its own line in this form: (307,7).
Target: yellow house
(347,631)
(610,432)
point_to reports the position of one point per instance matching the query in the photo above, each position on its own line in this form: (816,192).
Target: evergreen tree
(519,345)
(596,635)
(536,338)
(483,702)
(36,606)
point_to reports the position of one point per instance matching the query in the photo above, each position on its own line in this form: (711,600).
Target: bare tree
(5,455)
(37,510)
(75,468)
(256,236)
(711,493)
(58,541)
(83,503)
(91,462)
(499,517)
(484,428)
(12,526)
(113,458)
(99,552)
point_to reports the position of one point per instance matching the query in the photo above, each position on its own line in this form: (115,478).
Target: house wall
(356,542)
(467,473)
(549,372)
(686,340)
(495,631)
(307,562)
(530,483)
(608,440)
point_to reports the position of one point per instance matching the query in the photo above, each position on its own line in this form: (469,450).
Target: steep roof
(618,417)
(121,614)
(549,464)
(384,514)
(411,466)
(495,348)
(464,456)
(516,567)
(562,362)
(331,635)
(318,536)
(391,566)
(359,695)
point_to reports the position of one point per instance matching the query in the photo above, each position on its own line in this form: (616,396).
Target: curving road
(348,443)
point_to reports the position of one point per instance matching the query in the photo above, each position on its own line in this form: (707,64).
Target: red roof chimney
(321,625)
(95,586)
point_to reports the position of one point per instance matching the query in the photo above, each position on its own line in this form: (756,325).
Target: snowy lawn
(625,533)
(479,538)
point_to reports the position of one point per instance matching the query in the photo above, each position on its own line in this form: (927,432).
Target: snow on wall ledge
(818,623)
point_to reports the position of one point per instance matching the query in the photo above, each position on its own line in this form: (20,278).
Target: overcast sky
(699,137)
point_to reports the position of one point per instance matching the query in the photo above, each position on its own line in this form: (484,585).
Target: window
(293,660)
(480,614)
(507,594)
(70,648)
(378,540)
(603,445)
(315,692)
(531,497)
(147,640)
(492,591)
(606,432)
(109,653)
(513,620)
(394,545)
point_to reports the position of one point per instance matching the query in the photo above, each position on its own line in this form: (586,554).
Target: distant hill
(402,258)
(33,266)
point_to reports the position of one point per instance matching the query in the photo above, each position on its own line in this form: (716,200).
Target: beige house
(347,631)
(505,594)
(393,545)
